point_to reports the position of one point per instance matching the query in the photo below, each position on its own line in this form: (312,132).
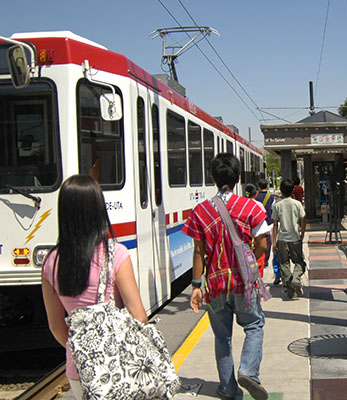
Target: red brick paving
(328,273)
(329,389)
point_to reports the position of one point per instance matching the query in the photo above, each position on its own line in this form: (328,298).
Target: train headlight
(40,253)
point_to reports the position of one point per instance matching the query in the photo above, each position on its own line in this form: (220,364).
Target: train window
(141,140)
(230,147)
(29,152)
(257,168)
(218,144)
(101,143)
(248,172)
(252,168)
(195,154)
(242,162)
(208,155)
(156,155)
(176,147)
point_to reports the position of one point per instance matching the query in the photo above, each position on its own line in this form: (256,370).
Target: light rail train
(69,105)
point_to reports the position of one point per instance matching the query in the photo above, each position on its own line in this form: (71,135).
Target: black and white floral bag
(116,356)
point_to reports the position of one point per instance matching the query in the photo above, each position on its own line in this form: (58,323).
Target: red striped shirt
(205,224)
(298,193)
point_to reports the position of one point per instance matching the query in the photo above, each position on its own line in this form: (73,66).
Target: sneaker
(289,291)
(277,281)
(255,389)
(298,290)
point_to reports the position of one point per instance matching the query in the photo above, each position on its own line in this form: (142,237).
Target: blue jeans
(252,320)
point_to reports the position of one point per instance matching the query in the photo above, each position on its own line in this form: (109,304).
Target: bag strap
(226,218)
(266,198)
(107,270)
(235,238)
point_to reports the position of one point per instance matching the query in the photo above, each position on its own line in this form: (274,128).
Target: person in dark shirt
(267,199)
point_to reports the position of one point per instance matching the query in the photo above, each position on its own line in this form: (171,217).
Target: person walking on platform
(289,214)
(298,191)
(71,271)
(268,200)
(224,290)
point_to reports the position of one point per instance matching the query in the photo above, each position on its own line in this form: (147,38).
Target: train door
(149,214)
(160,248)
(243,171)
(218,139)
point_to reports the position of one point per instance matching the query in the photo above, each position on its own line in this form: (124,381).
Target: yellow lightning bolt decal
(38,225)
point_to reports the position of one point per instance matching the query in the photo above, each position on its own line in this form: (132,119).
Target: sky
(255,71)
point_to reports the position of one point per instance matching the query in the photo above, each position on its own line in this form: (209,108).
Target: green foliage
(343,109)
(273,162)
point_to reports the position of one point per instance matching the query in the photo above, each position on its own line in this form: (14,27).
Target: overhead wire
(220,58)
(210,62)
(223,62)
(238,82)
(322,46)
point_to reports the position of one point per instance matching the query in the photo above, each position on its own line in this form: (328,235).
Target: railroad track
(54,385)
(50,387)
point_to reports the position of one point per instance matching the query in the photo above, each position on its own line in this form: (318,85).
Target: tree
(343,109)
(273,162)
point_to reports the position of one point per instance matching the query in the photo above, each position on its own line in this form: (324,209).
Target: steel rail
(49,387)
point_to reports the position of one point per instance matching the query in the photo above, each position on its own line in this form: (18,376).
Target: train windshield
(28,137)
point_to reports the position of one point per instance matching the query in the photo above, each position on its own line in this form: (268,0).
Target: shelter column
(286,164)
(310,191)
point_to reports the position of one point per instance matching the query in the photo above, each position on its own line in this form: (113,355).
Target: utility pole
(312,111)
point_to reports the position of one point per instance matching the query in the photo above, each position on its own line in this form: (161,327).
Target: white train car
(85,109)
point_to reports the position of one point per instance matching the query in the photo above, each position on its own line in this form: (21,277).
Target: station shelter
(319,143)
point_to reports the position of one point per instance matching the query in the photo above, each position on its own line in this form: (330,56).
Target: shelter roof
(322,116)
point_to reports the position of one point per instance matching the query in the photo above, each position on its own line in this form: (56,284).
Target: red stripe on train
(186,213)
(124,229)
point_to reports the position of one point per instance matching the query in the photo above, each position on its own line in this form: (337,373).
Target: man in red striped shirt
(223,287)
(298,191)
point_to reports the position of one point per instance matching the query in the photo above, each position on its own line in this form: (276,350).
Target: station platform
(305,341)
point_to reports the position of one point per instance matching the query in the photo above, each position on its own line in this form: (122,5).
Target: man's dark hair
(226,170)
(287,187)
(250,189)
(297,181)
(262,184)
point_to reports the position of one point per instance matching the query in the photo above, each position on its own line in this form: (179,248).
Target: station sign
(296,140)
(327,138)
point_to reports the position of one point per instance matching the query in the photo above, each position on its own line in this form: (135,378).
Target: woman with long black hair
(71,271)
